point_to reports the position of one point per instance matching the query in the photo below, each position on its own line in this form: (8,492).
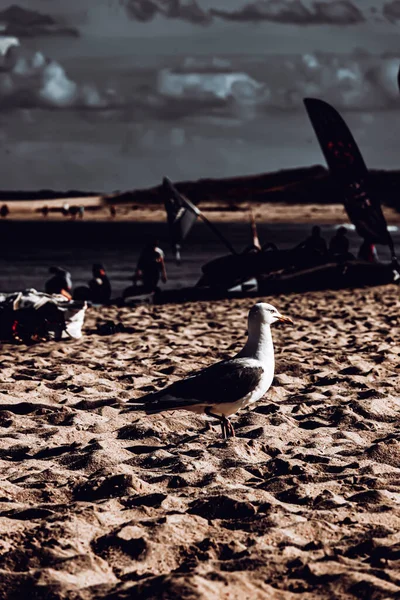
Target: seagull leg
(223,429)
(223,421)
(229,428)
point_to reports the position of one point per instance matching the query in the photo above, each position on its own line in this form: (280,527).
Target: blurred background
(109,95)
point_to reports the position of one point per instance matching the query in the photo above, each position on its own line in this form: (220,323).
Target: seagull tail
(148,409)
(142,408)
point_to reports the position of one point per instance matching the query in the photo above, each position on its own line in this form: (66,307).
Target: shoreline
(76,245)
(97,211)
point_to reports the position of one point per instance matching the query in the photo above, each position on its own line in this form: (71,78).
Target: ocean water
(29,249)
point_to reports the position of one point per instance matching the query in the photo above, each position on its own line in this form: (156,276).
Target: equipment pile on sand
(32,316)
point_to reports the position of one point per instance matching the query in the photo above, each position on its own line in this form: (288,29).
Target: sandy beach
(219,212)
(265,119)
(304,502)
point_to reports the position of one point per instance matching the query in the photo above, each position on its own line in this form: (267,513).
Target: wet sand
(304,502)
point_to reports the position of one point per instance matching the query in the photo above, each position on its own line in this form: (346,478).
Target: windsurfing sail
(180,218)
(349,172)
(183,226)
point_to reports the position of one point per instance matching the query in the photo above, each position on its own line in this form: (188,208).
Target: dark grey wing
(226,381)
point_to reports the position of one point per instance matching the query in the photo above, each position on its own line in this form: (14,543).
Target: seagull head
(263,313)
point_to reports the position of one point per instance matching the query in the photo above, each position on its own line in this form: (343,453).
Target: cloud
(281,11)
(338,12)
(391,11)
(29,23)
(335,12)
(186,10)
(356,82)
(30,80)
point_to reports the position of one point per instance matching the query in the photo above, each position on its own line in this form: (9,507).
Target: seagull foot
(226,426)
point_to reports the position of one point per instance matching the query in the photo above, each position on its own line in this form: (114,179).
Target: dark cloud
(391,10)
(336,12)
(339,12)
(146,10)
(29,23)
(281,11)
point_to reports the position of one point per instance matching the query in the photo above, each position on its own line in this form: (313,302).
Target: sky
(101,19)
(111,17)
(95,150)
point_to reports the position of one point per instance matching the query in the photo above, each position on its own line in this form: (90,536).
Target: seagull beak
(283,319)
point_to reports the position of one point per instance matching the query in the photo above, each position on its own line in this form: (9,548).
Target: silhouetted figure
(4,211)
(150,267)
(113,211)
(99,286)
(81,212)
(65,209)
(60,283)
(314,248)
(98,289)
(339,245)
(316,243)
(368,252)
(45,211)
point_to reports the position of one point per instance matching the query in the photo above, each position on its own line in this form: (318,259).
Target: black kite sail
(349,172)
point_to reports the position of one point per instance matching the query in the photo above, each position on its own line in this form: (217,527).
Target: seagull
(222,389)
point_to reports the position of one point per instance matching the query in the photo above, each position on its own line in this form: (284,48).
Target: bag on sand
(32,316)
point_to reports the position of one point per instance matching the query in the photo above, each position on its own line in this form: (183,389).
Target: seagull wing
(227,381)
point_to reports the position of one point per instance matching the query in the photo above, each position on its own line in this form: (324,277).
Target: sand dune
(306,194)
(304,502)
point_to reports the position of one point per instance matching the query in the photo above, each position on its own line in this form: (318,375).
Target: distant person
(65,209)
(73,211)
(81,212)
(4,211)
(314,247)
(60,283)
(368,252)
(339,245)
(99,285)
(45,211)
(113,211)
(151,266)
(315,242)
